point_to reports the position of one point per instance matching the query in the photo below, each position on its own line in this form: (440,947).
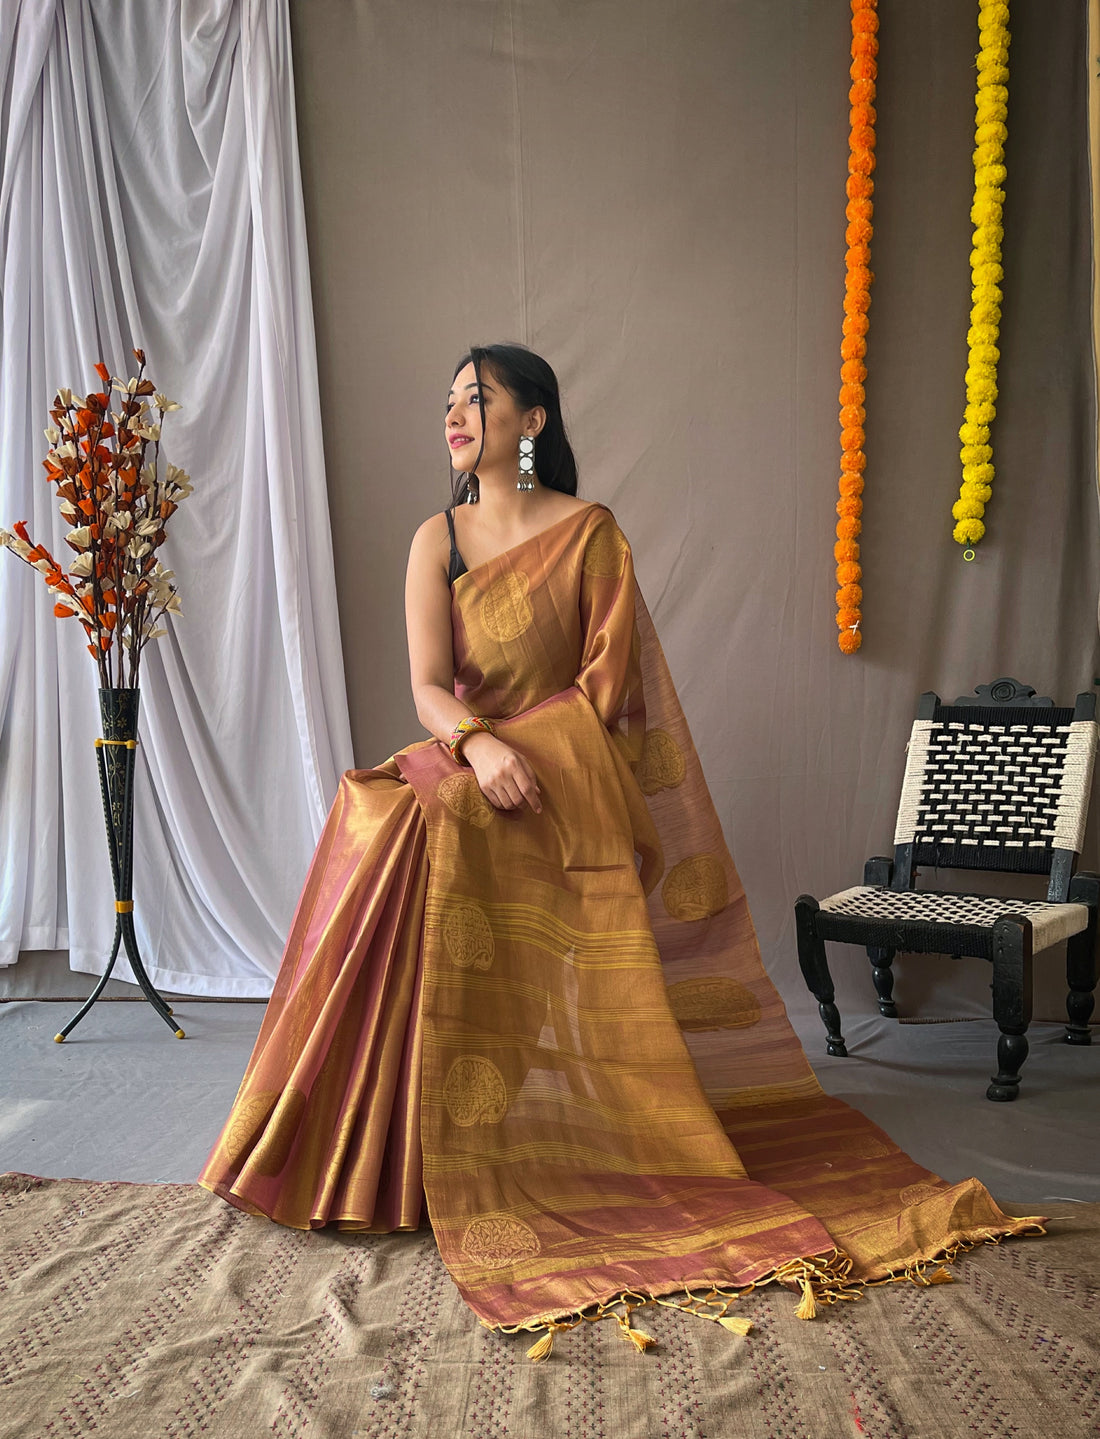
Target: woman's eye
(448,408)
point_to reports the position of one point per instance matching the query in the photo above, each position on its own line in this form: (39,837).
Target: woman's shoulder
(432,532)
(601,519)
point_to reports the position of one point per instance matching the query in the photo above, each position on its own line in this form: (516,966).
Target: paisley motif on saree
(557,1026)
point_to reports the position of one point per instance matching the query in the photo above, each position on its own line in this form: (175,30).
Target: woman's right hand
(507,781)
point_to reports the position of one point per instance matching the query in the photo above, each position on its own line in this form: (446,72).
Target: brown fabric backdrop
(652,196)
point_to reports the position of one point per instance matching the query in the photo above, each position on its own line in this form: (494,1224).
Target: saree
(555,1030)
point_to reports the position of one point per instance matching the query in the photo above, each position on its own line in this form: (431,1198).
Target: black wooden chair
(999,780)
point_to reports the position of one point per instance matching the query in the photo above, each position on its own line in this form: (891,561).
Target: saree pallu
(555,1028)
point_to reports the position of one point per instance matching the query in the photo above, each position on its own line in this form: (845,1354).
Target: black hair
(530,381)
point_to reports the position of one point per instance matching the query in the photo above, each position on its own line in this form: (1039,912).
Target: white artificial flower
(81,537)
(82,565)
(65,397)
(52,434)
(163,403)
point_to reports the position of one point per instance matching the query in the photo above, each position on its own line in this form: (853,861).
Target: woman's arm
(505,777)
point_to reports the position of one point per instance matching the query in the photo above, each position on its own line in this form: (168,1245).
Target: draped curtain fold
(151,196)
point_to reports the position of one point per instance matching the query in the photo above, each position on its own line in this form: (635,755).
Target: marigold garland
(990,133)
(857,301)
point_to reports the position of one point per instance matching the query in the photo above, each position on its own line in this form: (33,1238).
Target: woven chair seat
(956,923)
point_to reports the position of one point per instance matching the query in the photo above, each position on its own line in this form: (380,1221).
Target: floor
(123,1099)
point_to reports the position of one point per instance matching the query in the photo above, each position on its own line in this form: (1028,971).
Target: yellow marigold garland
(990,133)
(857,302)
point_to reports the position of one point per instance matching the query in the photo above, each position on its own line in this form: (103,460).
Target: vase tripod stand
(116,757)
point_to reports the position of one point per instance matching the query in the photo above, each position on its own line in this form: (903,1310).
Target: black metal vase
(116,754)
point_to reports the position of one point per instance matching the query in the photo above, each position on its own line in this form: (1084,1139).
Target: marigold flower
(845,551)
(856,302)
(847,618)
(850,640)
(848,572)
(848,527)
(968,532)
(850,484)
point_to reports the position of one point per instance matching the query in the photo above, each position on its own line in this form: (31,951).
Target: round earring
(526,479)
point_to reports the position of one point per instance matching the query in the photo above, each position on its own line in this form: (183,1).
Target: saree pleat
(556,1026)
(325,1127)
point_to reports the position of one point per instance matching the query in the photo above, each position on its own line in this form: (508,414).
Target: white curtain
(151,197)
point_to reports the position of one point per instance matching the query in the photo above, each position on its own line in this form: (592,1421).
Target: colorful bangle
(470,725)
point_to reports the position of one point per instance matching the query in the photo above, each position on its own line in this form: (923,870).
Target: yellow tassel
(807,1309)
(941,1276)
(542,1347)
(737,1326)
(640,1339)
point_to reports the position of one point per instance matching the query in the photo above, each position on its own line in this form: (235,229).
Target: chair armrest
(879,870)
(1084,888)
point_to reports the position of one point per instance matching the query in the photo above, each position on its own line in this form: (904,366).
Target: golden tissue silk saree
(555,1028)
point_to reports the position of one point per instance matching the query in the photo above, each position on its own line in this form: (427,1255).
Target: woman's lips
(458,443)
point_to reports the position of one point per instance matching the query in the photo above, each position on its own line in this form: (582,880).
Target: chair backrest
(996,787)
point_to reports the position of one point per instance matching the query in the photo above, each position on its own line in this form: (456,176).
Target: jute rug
(142,1310)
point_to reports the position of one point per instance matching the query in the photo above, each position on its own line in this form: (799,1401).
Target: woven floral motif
(714,1002)
(506,611)
(467,937)
(474,1091)
(462,794)
(498,1240)
(605,553)
(662,763)
(695,888)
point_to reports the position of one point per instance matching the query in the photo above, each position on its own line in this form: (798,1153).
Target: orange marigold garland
(857,302)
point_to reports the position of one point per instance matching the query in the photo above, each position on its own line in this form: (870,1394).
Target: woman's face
(504,422)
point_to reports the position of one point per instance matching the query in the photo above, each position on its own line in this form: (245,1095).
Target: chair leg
(1011,1002)
(815,971)
(1081,978)
(883,976)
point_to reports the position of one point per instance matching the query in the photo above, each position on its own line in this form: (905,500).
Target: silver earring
(473,490)
(526,479)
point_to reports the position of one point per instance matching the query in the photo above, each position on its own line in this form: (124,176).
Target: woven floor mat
(150,1310)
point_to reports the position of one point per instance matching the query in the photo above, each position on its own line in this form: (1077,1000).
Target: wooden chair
(999,781)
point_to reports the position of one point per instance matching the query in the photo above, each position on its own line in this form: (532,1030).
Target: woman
(522,981)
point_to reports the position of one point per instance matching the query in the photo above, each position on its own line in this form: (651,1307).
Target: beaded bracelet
(470,725)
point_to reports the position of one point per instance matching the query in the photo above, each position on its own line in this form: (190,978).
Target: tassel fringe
(807,1309)
(823,1279)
